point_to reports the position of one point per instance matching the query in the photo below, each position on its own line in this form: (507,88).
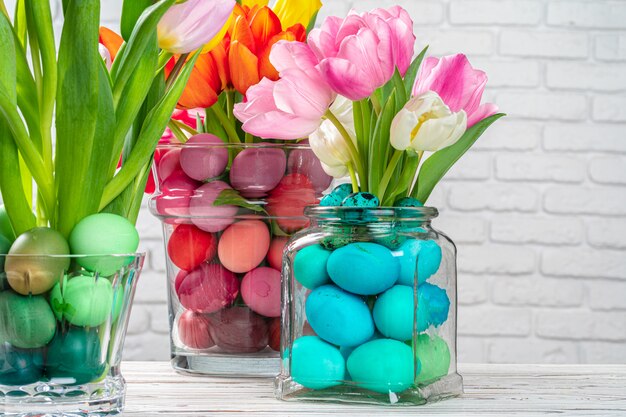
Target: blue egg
(331,200)
(394,313)
(433,306)
(428,255)
(338,317)
(20,366)
(363,268)
(343,190)
(365,200)
(309,266)
(409,202)
(316,364)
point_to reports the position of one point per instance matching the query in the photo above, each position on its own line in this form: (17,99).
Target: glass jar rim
(241,146)
(139,255)
(420,214)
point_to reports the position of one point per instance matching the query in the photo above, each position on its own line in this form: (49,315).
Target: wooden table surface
(490,390)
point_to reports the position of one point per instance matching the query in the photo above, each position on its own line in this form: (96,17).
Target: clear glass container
(369,309)
(62,331)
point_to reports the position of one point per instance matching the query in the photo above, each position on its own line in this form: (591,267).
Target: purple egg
(257,171)
(239,330)
(176,193)
(201,206)
(204,162)
(169,163)
(304,161)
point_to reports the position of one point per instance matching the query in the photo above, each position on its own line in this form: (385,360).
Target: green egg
(434,356)
(104,234)
(25,322)
(382,365)
(5,245)
(19,366)
(75,356)
(394,313)
(316,364)
(309,266)
(83,300)
(6,229)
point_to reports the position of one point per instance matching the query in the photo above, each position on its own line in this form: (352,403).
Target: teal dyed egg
(20,367)
(434,306)
(104,234)
(428,256)
(309,266)
(75,356)
(408,202)
(342,191)
(6,229)
(316,364)
(83,300)
(394,313)
(27,322)
(382,365)
(363,268)
(364,200)
(338,317)
(5,245)
(433,354)
(331,200)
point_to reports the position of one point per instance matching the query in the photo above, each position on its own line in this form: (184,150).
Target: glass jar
(227,212)
(63,322)
(369,309)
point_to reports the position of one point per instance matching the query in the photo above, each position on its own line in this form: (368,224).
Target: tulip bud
(293,12)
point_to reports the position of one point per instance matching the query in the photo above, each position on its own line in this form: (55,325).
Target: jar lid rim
(395,213)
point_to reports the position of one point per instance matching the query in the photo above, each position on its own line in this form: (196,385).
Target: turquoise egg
(19,366)
(428,255)
(363,268)
(433,354)
(394,313)
(338,317)
(75,356)
(316,364)
(408,202)
(343,190)
(365,200)
(434,306)
(331,200)
(382,365)
(309,266)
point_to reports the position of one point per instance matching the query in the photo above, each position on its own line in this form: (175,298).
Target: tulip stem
(353,179)
(376,104)
(218,112)
(391,168)
(354,152)
(178,67)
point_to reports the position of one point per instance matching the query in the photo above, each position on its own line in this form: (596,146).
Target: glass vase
(227,212)
(62,330)
(369,309)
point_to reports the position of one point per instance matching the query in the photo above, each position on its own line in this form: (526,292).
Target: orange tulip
(204,84)
(111,40)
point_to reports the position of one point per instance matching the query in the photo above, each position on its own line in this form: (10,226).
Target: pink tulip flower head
(458,84)
(359,54)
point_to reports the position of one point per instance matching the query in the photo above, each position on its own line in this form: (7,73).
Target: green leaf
(231,197)
(312,23)
(436,167)
(131,10)
(379,146)
(411,74)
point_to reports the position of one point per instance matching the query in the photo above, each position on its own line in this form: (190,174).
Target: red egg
(194,330)
(179,279)
(239,330)
(208,288)
(275,331)
(244,245)
(275,255)
(261,291)
(189,246)
(169,163)
(288,200)
(206,215)
(176,193)
(304,161)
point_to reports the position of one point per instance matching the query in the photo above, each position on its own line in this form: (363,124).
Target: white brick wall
(538,209)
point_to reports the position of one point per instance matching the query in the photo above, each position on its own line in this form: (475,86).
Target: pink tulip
(459,85)
(359,54)
(293,106)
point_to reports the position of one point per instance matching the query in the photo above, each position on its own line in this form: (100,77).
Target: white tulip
(426,124)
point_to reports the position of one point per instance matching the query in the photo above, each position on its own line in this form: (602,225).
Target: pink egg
(243,245)
(258,170)
(288,200)
(239,330)
(261,290)
(194,330)
(208,289)
(169,163)
(275,255)
(275,333)
(176,194)
(304,161)
(204,157)
(206,215)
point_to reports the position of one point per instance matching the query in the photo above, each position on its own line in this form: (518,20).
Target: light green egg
(104,234)
(316,364)
(434,356)
(83,301)
(26,322)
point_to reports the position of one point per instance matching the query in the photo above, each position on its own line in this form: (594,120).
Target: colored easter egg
(256,171)
(75,356)
(382,365)
(275,334)
(261,291)
(26,322)
(204,157)
(288,200)
(339,317)
(104,234)
(194,330)
(36,275)
(243,245)
(434,306)
(408,202)
(6,229)
(342,191)
(5,246)
(188,247)
(239,330)
(176,193)
(208,289)
(168,164)
(83,300)
(433,354)
(394,313)
(428,256)
(331,200)
(20,366)
(316,364)
(275,254)
(205,214)
(309,266)
(363,268)
(304,161)
(365,200)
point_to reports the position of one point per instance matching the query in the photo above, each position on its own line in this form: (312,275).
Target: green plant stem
(230,106)
(391,168)
(376,104)
(164,58)
(222,117)
(3,9)
(177,132)
(354,153)
(184,127)
(249,138)
(176,71)
(353,179)
(413,190)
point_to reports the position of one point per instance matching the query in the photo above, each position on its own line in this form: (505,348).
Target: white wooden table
(490,390)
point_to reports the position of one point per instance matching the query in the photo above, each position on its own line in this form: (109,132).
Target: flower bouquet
(68,265)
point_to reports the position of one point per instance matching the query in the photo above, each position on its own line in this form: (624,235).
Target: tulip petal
(280,125)
(402,129)
(244,67)
(266,69)
(264,25)
(287,55)
(241,32)
(111,41)
(346,79)
(484,111)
